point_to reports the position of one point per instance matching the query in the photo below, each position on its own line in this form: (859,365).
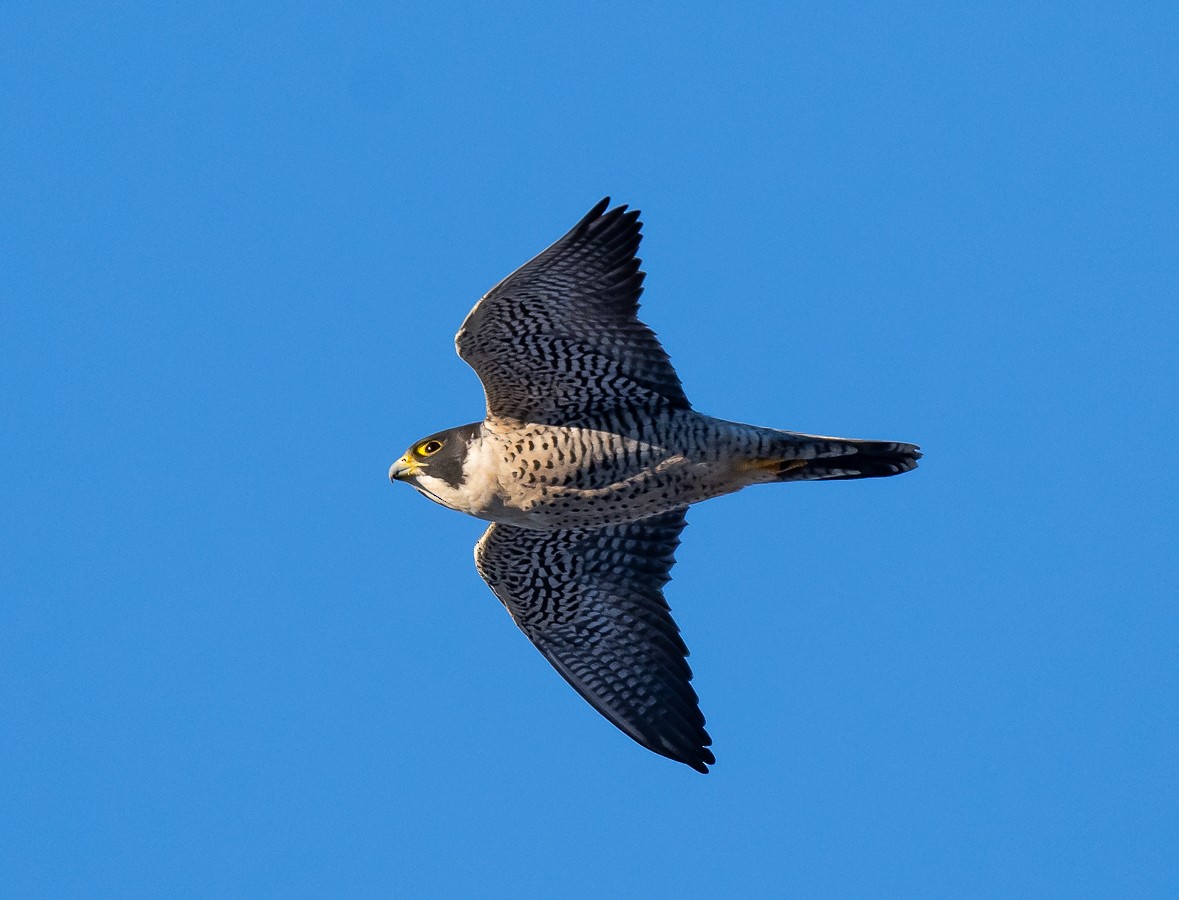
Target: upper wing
(558,341)
(591,600)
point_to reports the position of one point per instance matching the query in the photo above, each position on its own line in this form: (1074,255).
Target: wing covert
(559,341)
(591,600)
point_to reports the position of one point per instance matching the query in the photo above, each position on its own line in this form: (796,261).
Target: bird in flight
(585,465)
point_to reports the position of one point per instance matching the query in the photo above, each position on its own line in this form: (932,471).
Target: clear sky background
(235,243)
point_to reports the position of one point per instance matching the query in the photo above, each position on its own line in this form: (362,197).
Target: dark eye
(429,448)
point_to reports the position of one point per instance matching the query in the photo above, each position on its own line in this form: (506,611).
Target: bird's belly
(557,503)
(537,476)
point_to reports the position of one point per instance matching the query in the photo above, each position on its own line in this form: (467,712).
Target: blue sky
(236,243)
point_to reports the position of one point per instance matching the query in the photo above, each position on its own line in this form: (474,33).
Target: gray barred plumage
(586,462)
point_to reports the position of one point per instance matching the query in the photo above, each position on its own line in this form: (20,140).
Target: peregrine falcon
(585,464)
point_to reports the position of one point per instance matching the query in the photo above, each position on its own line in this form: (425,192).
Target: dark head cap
(439,455)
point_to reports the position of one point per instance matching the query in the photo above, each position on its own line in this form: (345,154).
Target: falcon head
(434,464)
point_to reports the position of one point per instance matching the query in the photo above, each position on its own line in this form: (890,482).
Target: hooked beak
(404,468)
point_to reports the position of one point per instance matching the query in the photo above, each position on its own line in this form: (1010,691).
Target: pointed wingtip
(701,765)
(601,216)
(591,217)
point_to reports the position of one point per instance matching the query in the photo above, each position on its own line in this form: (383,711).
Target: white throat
(480,487)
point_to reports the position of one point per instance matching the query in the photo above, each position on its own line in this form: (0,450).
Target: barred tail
(809,457)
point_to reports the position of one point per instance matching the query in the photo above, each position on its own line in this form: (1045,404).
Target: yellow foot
(778,467)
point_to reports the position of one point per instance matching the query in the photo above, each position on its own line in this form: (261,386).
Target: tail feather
(812,458)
